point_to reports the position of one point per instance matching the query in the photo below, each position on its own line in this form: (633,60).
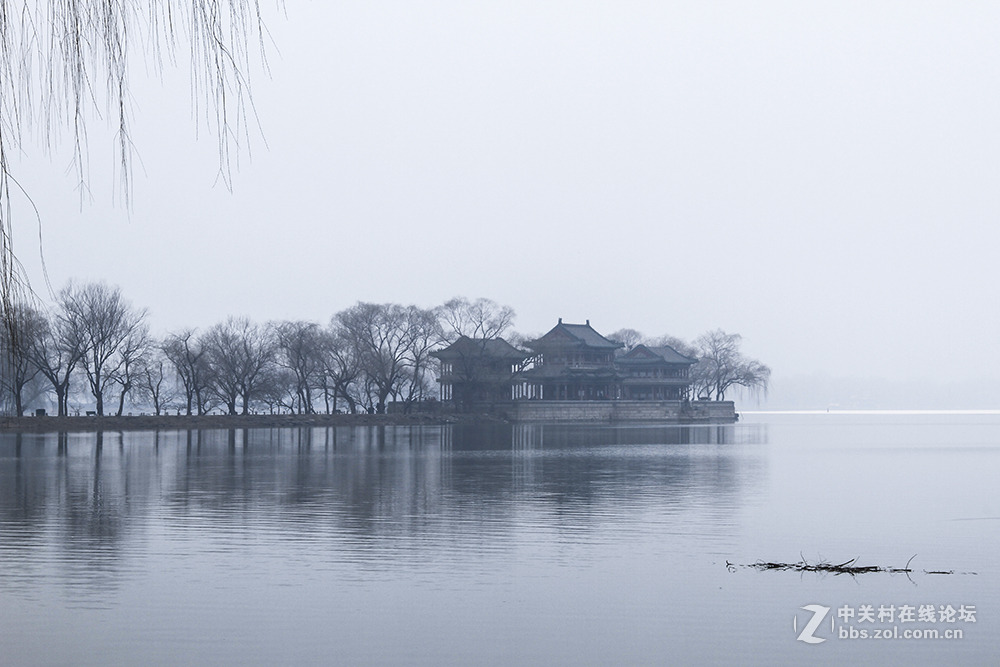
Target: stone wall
(691,412)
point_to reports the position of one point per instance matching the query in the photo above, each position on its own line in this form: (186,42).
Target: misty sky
(819,177)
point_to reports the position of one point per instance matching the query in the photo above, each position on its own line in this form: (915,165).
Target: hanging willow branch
(63,62)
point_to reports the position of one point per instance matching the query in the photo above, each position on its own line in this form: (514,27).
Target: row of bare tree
(95,340)
(366,356)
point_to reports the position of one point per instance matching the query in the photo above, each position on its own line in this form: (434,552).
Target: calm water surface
(542,545)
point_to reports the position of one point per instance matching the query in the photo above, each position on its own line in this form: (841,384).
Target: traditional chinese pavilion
(654,374)
(477,370)
(571,362)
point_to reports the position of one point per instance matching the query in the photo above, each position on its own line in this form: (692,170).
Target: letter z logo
(819,612)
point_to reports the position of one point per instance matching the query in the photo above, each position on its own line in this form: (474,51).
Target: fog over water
(820,178)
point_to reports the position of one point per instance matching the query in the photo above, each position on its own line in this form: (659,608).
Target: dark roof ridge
(590,336)
(665,352)
(495,347)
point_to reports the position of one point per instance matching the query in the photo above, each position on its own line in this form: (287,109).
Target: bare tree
(277,390)
(155,381)
(393,346)
(110,331)
(56,351)
(17,365)
(300,351)
(188,357)
(239,355)
(131,364)
(722,366)
(481,319)
(424,333)
(382,342)
(341,368)
(627,337)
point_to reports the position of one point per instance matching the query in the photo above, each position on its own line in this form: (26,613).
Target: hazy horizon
(819,179)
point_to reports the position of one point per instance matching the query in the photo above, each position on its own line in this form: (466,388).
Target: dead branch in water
(847,567)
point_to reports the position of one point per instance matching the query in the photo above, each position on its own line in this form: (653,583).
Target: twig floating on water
(847,567)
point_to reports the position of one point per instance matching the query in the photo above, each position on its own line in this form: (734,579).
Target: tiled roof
(587,334)
(487,347)
(642,354)
(583,334)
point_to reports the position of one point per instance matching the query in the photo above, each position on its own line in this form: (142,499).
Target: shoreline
(93,424)
(203,422)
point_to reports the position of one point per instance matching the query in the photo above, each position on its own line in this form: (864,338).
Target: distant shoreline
(198,422)
(92,424)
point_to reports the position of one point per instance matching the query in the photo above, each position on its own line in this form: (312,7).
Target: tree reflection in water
(100,493)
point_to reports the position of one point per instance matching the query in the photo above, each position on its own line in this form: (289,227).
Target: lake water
(535,545)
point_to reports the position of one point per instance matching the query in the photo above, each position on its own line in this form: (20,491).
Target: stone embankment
(184,423)
(620,411)
(666,412)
